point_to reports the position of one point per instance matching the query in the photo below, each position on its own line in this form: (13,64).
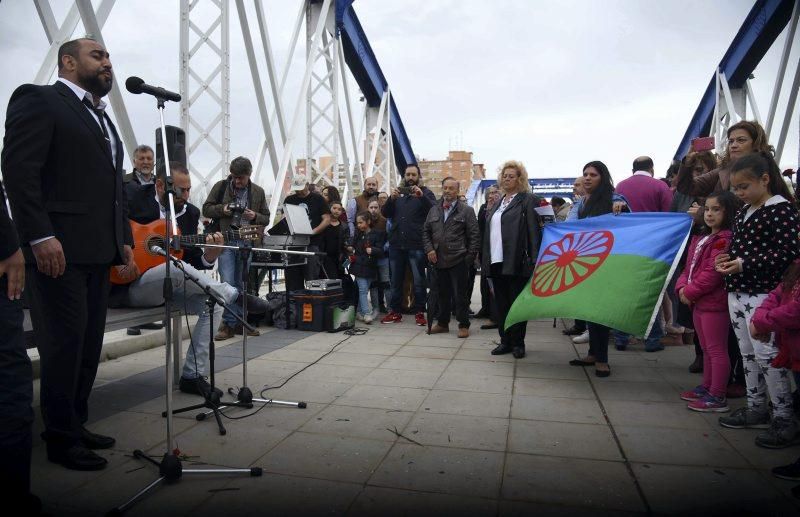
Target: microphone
(158,250)
(137,85)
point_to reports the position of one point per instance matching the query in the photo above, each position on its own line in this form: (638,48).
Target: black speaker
(176,145)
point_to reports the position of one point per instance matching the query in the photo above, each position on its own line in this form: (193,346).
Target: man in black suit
(62,161)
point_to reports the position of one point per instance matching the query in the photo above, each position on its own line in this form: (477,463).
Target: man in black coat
(450,238)
(62,161)
(407,209)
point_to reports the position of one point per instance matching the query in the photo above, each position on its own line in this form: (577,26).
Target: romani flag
(612,270)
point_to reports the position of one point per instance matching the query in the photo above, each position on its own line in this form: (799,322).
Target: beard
(97,84)
(412,183)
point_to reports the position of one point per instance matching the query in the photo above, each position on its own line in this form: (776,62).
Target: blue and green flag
(611,270)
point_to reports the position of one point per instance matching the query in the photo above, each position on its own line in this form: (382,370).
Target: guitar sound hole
(154,241)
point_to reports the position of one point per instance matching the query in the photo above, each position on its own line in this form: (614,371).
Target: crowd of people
(736,294)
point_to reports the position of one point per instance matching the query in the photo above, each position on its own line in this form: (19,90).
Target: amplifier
(323,285)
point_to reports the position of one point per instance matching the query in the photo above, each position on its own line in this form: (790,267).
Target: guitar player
(146,206)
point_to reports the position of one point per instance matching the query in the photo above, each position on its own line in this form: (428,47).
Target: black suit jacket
(143,209)
(60,176)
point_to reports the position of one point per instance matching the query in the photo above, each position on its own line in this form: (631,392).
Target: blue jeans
(147,291)
(229,265)
(653,341)
(364,307)
(416,259)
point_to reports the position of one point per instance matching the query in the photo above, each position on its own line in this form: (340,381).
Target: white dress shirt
(496,233)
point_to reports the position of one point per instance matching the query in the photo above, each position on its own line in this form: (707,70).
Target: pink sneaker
(709,404)
(694,394)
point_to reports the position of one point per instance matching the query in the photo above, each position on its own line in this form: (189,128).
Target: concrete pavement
(402,423)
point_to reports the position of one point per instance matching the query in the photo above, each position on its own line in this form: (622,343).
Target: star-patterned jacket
(766,242)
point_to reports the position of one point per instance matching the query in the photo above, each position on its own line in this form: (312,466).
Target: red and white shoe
(392,317)
(420,320)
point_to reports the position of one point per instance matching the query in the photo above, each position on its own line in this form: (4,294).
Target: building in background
(458,164)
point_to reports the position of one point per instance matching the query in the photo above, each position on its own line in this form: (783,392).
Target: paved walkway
(401,423)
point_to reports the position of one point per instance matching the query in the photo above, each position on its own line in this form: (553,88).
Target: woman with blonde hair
(509,250)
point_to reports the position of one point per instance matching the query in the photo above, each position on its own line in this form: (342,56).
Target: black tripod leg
(184,410)
(222,430)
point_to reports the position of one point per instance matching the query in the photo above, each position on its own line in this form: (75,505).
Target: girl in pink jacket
(702,288)
(780,313)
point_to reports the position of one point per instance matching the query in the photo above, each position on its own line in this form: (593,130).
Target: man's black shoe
(488,326)
(152,326)
(134,331)
(518,352)
(483,313)
(77,457)
(92,440)
(573,331)
(501,349)
(198,386)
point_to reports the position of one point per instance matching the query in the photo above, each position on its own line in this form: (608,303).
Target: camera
(404,191)
(235,208)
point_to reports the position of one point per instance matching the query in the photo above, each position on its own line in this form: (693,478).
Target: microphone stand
(212,398)
(245,395)
(170,468)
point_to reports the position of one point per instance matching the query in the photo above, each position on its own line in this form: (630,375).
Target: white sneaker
(368,318)
(582,338)
(359,317)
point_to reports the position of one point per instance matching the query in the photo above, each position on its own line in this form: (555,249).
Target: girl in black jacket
(334,239)
(365,250)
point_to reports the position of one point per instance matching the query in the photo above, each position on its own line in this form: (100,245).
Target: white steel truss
(732,104)
(333,134)
(199,87)
(380,163)
(322,98)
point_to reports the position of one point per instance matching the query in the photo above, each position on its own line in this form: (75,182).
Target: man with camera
(234,202)
(407,207)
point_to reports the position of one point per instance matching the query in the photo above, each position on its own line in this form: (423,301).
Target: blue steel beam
(760,29)
(364,66)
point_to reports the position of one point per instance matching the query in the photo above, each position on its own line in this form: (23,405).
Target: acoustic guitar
(146,236)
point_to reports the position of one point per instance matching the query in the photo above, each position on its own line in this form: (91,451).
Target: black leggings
(598,341)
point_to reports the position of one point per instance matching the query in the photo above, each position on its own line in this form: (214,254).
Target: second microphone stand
(244,395)
(211,399)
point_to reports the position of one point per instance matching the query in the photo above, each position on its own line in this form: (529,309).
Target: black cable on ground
(355,331)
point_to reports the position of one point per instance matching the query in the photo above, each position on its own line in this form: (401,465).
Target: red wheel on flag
(569,261)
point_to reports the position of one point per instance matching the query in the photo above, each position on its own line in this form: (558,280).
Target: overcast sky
(554,84)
